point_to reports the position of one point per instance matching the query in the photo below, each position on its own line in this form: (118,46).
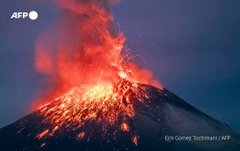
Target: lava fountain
(93,77)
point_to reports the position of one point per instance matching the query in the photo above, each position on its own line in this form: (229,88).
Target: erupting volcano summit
(99,99)
(93,78)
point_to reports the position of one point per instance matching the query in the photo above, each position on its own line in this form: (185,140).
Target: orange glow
(135,139)
(100,103)
(91,76)
(81,135)
(125,127)
(42,145)
(42,134)
(83,48)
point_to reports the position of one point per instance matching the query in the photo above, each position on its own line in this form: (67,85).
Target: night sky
(191,46)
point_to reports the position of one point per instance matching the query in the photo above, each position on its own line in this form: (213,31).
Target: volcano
(98,97)
(161,121)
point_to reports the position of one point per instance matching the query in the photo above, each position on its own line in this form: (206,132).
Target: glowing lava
(125,127)
(92,78)
(102,104)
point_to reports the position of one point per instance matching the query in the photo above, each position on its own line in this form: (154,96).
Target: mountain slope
(160,121)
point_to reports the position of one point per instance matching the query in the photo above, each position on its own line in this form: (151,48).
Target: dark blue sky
(192,47)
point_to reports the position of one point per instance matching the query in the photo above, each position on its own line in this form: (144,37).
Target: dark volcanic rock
(160,121)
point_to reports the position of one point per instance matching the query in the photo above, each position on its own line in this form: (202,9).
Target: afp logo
(33,15)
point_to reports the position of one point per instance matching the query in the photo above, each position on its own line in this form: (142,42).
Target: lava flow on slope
(93,77)
(102,104)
